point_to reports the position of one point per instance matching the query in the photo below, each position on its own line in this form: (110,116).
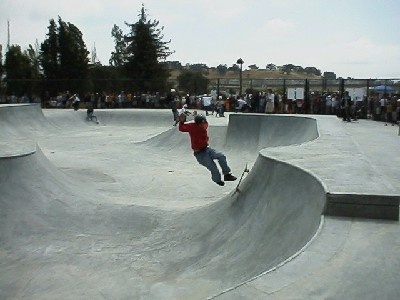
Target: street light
(240,62)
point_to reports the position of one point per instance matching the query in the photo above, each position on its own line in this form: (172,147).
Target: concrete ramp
(21,120)
(113,117)
(251,232)
(61,236)
(255,132)
(17,123)
(247,134)
(50,225)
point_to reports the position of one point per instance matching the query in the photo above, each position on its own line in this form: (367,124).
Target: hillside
(213,74)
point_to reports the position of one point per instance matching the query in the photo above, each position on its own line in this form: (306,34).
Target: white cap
(172,90)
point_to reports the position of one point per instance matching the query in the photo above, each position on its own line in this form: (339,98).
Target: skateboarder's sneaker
(221,183)
(229,177)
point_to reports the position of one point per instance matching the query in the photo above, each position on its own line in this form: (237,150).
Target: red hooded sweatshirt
(198,134)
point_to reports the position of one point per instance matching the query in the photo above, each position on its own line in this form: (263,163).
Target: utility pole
(8,35)
(240,62)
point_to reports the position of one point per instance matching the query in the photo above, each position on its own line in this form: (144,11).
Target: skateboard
(246,170)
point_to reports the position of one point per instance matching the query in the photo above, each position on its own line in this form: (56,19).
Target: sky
(352,38)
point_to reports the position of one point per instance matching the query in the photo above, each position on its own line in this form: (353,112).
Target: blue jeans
(206,158)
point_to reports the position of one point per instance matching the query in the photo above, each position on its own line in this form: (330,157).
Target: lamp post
(240,62)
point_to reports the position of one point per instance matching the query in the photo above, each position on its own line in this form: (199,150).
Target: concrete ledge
(355,183)
(363,206)
(17,148)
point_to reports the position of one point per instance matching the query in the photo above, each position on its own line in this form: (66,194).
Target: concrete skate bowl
(246,134)
(60,238)
(254,132)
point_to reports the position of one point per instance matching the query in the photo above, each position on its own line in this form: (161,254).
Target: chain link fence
(232,85)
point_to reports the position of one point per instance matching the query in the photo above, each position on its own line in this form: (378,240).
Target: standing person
(261,106)
(397,119)
(276,103)
(256,102)
(328,104)
(383,102)
(121,99)
(270,98)
(241,105)
(285,101)
(388,118)
(281,103)
(206,103)
(67,99)
(299,106)
(172,102)
(346,106)
(334,105)
(204,154)
(220,107)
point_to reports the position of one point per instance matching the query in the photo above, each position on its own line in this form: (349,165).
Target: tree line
(138,63)
(61,62)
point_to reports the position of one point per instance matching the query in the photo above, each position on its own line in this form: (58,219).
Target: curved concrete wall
(260,131)
(17,122)
(21,120)
(213,247)
(51,220)
(249,232)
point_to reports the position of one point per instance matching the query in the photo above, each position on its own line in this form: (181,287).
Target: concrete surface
(121,209)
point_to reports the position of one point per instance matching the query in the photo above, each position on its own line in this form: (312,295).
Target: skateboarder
(75,101)
(204,154)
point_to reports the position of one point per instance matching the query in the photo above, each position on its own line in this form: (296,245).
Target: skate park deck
(121,209)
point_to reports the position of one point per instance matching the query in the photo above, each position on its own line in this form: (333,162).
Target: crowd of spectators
(377,106)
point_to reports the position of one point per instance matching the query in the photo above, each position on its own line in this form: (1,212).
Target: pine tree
(1,71)
(49,58)
(118,57)
(1,61)
(65,59)
(145,49)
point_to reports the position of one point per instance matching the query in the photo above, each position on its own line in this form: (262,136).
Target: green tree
(1,71)
(74,58)
(1,62)
(193,82)
(118,57)
(174,65)
(253,67)
(20,72)
(222,69)
(312,70)
(234,68)
(64,59)
(271,67)
(145,50)
(33,54)
(105,78)
(198,67)
(288,68)
(330,75)
(49,60)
